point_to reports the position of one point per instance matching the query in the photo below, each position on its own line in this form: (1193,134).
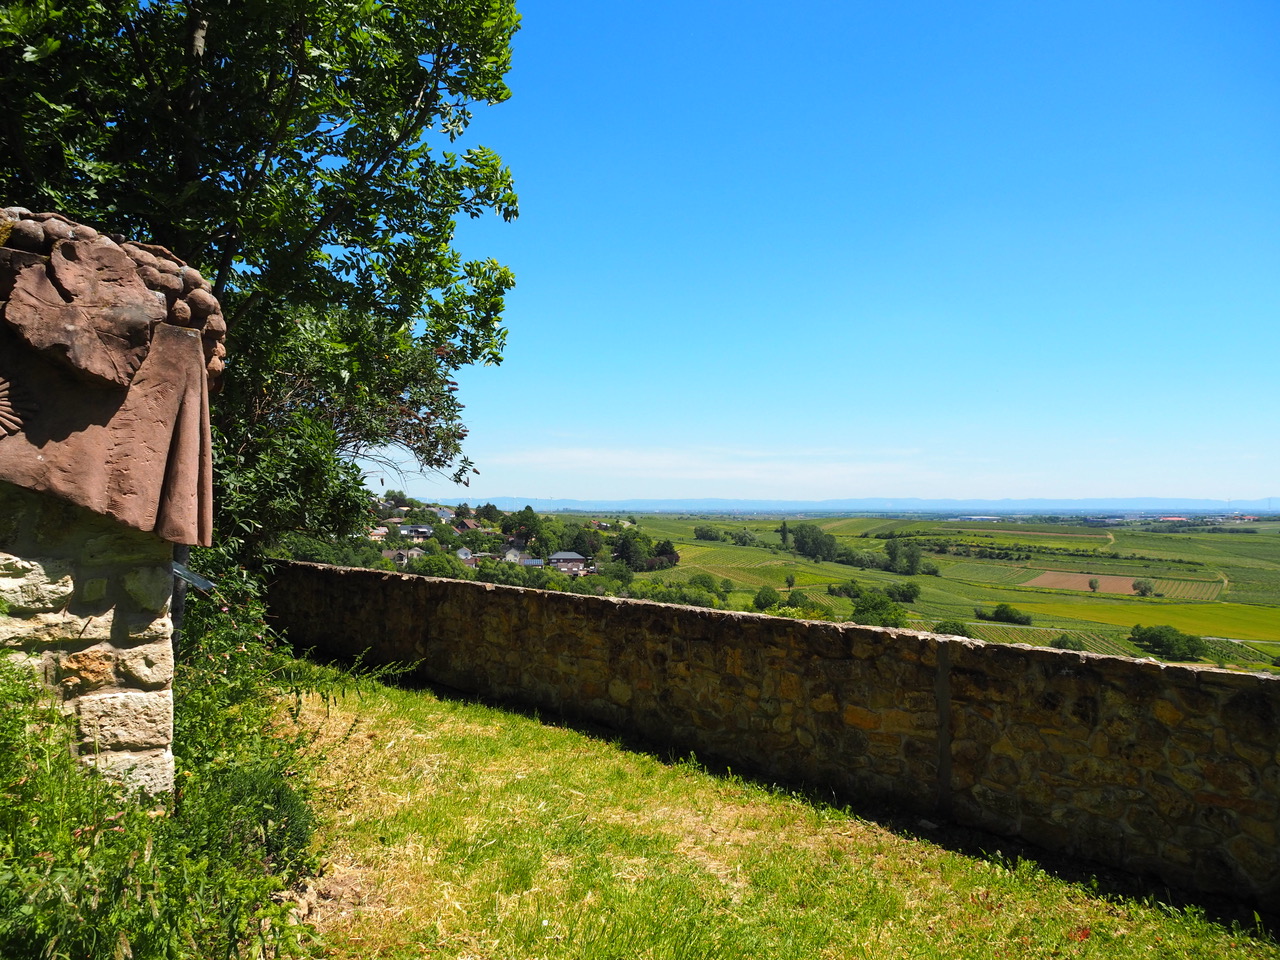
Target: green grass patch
(1234,620)
(461,831)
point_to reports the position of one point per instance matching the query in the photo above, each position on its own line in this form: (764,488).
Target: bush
(903,591)
(1067,642)
(876,609)
(766,597)
(1003,613)
(88,870)
(952,628)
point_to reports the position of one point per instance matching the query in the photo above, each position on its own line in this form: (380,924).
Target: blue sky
(866,249)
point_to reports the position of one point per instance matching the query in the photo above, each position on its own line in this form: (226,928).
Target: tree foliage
(875,608)
(1168,642)
(1003,613)
(299,153)
(766,597)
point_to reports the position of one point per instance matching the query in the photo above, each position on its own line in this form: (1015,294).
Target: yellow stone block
(860,718)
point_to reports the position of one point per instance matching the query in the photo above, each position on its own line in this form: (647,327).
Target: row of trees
(1169,642)
(900,556)
(1003,613)
(740,536)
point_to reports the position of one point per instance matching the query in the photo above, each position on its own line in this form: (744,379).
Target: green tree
(704,581)
(791,581)
(300,155)
(1144,588)
(1065,641)
(1169,642)
(488,513)
(1093,585)
(952,628)
(904,591)
(707,532)
(811,541)
(873,608)
(766,597)
(633,548)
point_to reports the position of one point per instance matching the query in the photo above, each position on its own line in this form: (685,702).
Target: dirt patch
(1059,580)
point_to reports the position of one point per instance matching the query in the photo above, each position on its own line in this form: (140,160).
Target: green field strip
(976,571)
(1235,620)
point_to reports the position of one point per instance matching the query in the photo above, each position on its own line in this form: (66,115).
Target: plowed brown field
(1080,581)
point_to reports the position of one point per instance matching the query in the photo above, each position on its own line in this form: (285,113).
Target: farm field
(1057,580)
(1212,584)
(1237,621)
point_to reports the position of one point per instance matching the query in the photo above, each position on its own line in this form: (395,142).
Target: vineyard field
(1203,577)
(1189,589)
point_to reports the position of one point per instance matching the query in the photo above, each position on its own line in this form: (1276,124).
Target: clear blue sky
(863,249)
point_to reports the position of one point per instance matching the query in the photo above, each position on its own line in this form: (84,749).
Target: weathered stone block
(126,721)
(87,670)
(149,666)
(150,587)
(35,584)
(148,771)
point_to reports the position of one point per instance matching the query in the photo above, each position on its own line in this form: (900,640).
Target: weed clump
(88,869)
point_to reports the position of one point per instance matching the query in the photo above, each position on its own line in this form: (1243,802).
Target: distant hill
(891,505)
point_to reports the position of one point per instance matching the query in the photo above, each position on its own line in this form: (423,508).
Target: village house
(566,561)
(401,557)
(516,555)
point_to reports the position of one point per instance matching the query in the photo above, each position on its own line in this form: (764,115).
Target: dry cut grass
(455,830)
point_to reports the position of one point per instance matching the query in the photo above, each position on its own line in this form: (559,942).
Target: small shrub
(904,591)
(1067,642)
(1003,613)
(952,628)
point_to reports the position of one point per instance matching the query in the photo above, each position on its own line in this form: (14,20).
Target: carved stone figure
(108,352)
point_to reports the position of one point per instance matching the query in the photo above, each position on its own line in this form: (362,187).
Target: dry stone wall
(1169,770)
(88,609)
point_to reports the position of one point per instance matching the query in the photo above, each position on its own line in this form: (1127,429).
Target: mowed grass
(461,831)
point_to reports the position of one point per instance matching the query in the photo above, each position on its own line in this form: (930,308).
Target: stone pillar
(108,353)
(88,602)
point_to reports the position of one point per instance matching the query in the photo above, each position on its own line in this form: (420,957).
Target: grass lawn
(461,831)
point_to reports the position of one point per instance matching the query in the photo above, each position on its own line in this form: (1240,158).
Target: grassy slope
(466,832)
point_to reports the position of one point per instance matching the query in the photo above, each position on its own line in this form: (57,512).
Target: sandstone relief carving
(108,353)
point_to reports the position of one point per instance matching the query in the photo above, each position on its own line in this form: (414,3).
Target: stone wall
(1168,770)
(88,601)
